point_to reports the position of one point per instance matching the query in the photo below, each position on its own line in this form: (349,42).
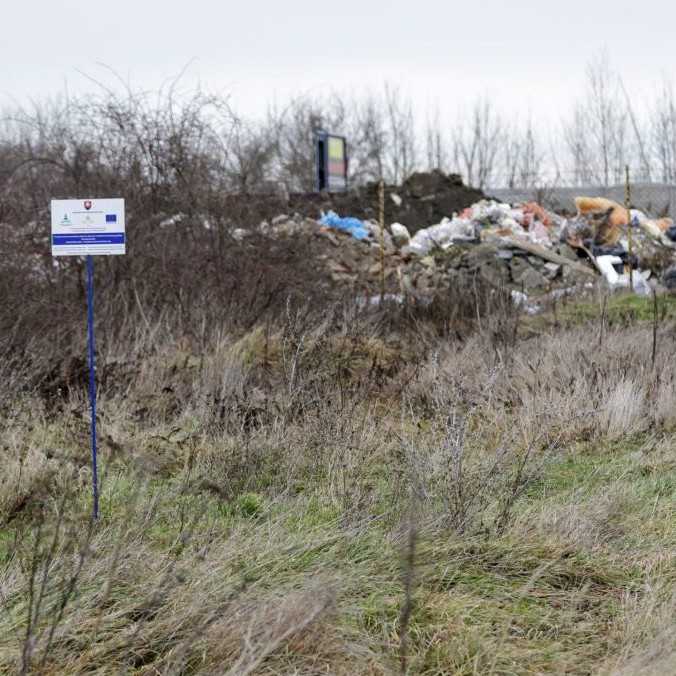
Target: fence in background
(657,199)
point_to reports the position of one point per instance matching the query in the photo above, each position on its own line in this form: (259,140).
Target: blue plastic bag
(353,226)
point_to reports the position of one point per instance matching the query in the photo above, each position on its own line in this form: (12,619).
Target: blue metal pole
(92,377)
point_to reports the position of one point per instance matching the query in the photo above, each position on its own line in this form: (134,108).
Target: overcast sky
(530,55)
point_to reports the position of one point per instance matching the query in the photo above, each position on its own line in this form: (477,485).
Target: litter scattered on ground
(400,234)
(375,301)
(172,220)
(609,267)
(521,300)
(533,252)
(239,234)
(353,226)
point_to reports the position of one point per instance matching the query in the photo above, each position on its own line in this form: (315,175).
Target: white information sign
(88,227)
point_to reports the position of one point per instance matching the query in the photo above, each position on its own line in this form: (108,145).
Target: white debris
(442,236)
(239,234)
(623,281)
(606,265)
(172,220)
(374,229)
(495,212)
(400,234)
(374,301)
(521,300)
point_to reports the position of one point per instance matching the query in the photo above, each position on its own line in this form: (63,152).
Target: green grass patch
(621,309)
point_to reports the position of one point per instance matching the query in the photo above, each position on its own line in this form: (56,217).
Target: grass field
(309,498)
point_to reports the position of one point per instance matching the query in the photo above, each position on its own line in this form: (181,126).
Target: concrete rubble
(524,248)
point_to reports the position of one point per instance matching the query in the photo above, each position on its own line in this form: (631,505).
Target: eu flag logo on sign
(111,218)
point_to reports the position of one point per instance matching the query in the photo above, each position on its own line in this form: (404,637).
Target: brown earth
(426,198)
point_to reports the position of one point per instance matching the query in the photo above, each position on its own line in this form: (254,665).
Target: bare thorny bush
(185,165)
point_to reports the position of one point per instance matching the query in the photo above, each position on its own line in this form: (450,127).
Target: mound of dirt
(423,200)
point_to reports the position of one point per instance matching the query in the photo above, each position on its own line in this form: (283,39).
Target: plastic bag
(353,226)
(400,234)
(616,280)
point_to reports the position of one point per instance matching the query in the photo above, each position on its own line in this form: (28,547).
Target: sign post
(89,228)
(332,161)
(92,378)
(627,205)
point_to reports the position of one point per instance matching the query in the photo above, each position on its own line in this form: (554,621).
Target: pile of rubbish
(525,248)
(529,248)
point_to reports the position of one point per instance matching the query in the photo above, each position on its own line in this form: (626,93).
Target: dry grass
(650,640)
(258,491)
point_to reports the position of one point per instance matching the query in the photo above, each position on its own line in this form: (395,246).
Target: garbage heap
(522,247)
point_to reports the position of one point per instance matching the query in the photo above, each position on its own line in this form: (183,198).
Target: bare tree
(663,133)
(575,139)
(369,140)
(511,156)
(292,131)
(402,144)
(384,143)
(640,136)
(477,142)
(531,158)
(523,158)
(435,145)
(247,156)
(597,134)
